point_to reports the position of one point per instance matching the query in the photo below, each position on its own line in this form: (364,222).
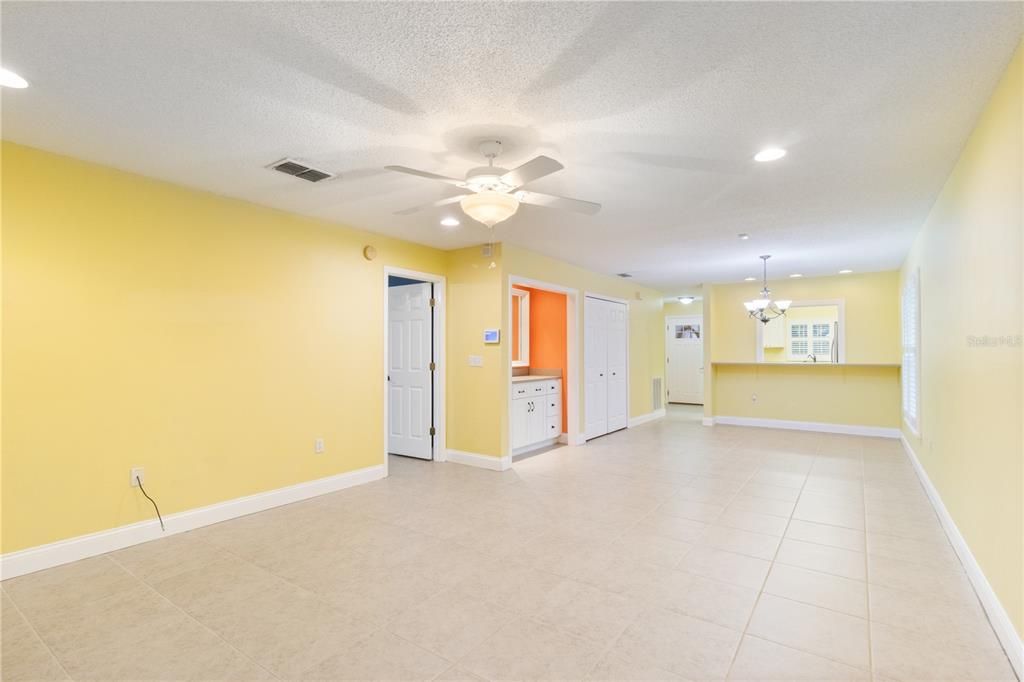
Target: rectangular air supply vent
(624,275)
(657,397)
(300,170)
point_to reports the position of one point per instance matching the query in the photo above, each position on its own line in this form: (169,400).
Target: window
(910,310)
(810,337)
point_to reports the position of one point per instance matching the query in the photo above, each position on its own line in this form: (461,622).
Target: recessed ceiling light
(9,79)
(743,235)
(686,300)
(450,222)
(795,275)
(845,272)
(750,279)
(770,154)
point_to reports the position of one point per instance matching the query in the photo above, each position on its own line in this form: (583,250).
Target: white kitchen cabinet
(536,414)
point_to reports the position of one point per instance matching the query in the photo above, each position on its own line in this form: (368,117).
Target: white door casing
(684,367)
(410,398)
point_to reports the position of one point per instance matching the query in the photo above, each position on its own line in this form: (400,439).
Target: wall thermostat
(492,335)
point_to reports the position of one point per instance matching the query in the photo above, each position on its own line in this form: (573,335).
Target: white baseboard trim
(644,418)
(707,421)
(482,461)
(61,552)
(1001,623)
(563,439)
(849,429)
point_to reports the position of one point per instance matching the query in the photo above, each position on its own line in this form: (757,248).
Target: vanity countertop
(533,377)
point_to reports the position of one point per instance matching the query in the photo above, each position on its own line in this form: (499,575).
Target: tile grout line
(867,574)
(35,632)
(191,617)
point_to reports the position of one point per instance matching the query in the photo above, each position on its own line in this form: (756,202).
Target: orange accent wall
(548,341)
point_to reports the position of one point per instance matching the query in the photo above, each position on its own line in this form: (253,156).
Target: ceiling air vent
(300,170)
(624,275)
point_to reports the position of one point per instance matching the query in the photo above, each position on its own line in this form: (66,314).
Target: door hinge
(433,431)
(433,366)
(433,301)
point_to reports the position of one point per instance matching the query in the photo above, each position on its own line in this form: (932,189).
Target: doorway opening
(543,366)
(414,373)
(684,359)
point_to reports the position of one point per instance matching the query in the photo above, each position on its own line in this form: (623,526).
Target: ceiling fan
(495,193)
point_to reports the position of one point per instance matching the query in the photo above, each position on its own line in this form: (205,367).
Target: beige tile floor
(669,551)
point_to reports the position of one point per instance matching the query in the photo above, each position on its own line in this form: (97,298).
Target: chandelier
(764,308)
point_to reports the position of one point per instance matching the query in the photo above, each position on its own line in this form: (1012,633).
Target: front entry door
(410,352)
(684,367)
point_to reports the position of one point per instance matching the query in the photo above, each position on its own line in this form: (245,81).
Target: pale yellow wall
(969,255)
(861,396)
(207,339)
(871,312)
(475,393)
(830,394)
(673,308)
(646,320)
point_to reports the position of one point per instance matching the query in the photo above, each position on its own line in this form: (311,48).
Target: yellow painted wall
(475,419)
(871,311)
(831,394)
(207,339)
(853,396)
(646,321)
(969,256)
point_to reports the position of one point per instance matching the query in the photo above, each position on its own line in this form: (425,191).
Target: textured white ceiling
(654,108)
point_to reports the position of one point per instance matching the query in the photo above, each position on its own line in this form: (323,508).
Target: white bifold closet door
(605,330)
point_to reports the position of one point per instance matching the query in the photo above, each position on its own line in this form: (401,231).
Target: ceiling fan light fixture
(686,300)
(489,208)
(450,221)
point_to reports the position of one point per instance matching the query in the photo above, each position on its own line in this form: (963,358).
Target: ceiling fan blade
(531,170)
(426,174)
(441,202)
(564,203)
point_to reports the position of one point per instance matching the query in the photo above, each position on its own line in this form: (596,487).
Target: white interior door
(410,394)
(684,367)
(618,390)
(595,367)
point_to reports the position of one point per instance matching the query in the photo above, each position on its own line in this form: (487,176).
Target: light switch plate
(476,361)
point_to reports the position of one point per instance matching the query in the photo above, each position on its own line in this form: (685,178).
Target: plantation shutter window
(910,311)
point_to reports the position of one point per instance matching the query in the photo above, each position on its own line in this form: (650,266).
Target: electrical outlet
(137,475)
(318,446)
(476,361)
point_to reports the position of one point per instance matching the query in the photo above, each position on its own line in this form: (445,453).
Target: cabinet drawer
(520,390)
(554,386)
(538,387)
(554,427)
(554,405)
